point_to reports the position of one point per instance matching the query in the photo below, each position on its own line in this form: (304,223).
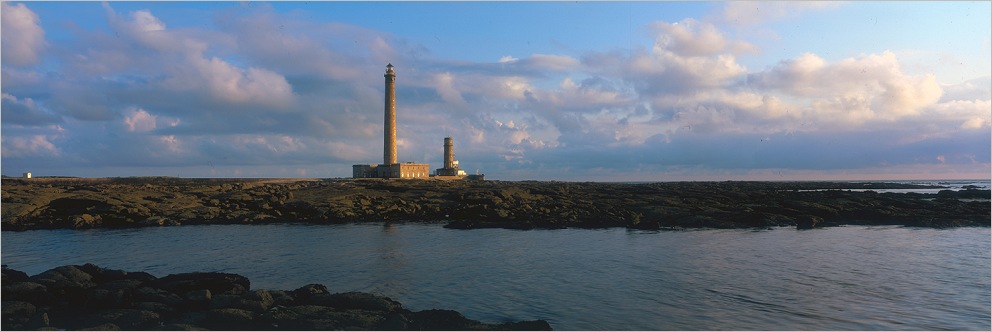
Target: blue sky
(602,91)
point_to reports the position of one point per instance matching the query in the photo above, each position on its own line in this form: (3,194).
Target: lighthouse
(389,120)
(391,167)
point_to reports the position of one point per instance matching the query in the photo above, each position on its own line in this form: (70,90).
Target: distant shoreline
(81,203)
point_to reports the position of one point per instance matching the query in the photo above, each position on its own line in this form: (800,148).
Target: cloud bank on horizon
(737,90)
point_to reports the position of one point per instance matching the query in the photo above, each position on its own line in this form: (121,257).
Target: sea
(836,278)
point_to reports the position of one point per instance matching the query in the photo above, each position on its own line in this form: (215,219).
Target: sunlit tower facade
(389,122)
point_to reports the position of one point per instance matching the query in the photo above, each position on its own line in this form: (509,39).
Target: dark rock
(65,277)
(129,319)
(66,283)
(120,303)
(441,320)
(26,291)
(282,298)
(178,327)
(357,300)
(216,282)
(394,322)
(103,327)
(305,293)
(530,325)
(11,276)
(140,276)
(148,294)
(16,314)
(38,320)
(807,222)
(229,319)
(101,275)
(121,284)
(198,299)
(157,307)
(101,298)
(321,318)
(257,301)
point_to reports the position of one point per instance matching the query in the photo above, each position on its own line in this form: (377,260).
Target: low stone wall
(88,297)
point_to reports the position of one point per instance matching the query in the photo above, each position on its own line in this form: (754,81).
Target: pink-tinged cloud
(851,91)
(692,38)
(22,38)
(139,121)
(29,146)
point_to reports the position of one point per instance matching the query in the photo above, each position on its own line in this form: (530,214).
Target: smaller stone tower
(451,168)
(449,153)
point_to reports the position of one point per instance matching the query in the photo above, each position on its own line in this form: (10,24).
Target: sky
(573,91)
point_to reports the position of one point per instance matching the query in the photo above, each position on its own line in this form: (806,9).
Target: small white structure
(27,175)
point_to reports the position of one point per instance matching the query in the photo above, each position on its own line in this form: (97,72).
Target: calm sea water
(843,278)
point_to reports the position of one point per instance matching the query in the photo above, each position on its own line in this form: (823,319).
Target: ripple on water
(842,278)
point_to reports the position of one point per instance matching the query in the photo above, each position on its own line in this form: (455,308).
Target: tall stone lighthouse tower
(389,126)
(391,168)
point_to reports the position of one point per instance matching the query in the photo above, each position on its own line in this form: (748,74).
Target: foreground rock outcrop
(138,202)
(88,297)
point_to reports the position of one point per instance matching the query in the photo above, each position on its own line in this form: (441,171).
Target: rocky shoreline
(80,203)
(88,297)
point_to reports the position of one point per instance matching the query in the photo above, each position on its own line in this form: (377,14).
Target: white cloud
(227,83)
(689,38)
(855,89)
(145,21)
(26,146)
(686,56)
(975,123)
(138,120)
(22,38)
(444,83)
(170,144)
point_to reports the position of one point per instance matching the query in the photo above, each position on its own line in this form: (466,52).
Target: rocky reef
(88,297)
(77,203)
